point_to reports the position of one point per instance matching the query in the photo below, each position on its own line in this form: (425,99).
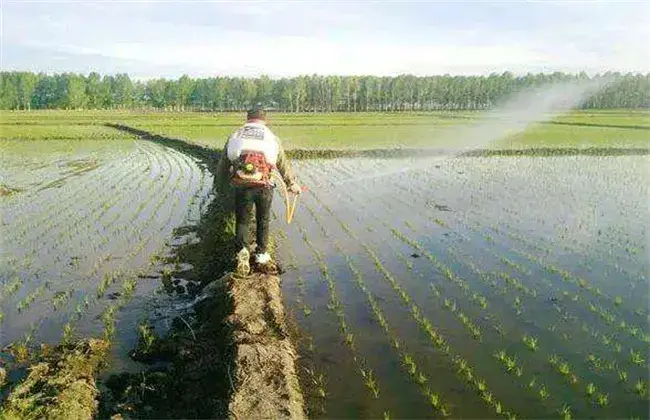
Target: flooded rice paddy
(81,235)
(473,287)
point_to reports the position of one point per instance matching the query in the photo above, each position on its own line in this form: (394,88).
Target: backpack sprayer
(252,170)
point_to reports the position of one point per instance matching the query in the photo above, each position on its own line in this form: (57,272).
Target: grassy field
(615,128)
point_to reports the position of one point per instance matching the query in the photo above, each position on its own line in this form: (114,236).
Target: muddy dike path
(228,355)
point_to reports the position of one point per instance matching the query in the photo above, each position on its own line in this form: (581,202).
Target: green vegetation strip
(385,134)
(400,153)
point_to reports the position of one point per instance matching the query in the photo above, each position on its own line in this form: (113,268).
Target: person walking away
(251,153)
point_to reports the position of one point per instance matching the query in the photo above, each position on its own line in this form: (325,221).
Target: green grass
(59,131)
(607,128)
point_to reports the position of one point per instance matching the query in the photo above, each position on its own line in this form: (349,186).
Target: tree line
(309,93)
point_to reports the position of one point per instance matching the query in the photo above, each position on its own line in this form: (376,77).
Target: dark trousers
(245,198)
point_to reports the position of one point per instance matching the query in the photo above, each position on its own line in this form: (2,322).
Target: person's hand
(295,188)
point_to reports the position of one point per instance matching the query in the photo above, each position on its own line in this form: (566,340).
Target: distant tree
(155,93)
(26,87)
(122,91)
(9,98)
(44,93)
(316,93)
(249,88)
(72,91)
(96,91)
(184,89)
(264,90)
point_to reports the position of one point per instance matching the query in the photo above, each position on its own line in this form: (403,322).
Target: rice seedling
(146,336)
(602,399)
(543,393)
(108,320)
(68,331)
(59,298)
(128,287)
(31,297)
(520,268)
(564,368)
(445,270)
(515,284)
(487,397)
(566,413)
(636,358)
(318,380)
(90,198)
(641,388)
(69,203)
(11,287)
(530,342)
(510,364)
(517,305)
(440,222)
(481,300)
(370,382)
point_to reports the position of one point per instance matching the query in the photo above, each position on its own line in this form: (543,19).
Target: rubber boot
(243,262)
(264,264)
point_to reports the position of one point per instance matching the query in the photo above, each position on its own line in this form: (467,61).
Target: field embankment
(408,152)
(266,380)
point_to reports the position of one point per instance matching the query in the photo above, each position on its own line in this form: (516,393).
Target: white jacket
(255,137)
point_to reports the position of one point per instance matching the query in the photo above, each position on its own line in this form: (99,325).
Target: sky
(151,39)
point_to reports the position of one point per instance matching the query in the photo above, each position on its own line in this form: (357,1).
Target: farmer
(249,156)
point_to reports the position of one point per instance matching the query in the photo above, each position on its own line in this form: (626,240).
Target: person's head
(256,112)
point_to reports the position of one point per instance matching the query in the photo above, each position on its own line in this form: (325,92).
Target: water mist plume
(517,113)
